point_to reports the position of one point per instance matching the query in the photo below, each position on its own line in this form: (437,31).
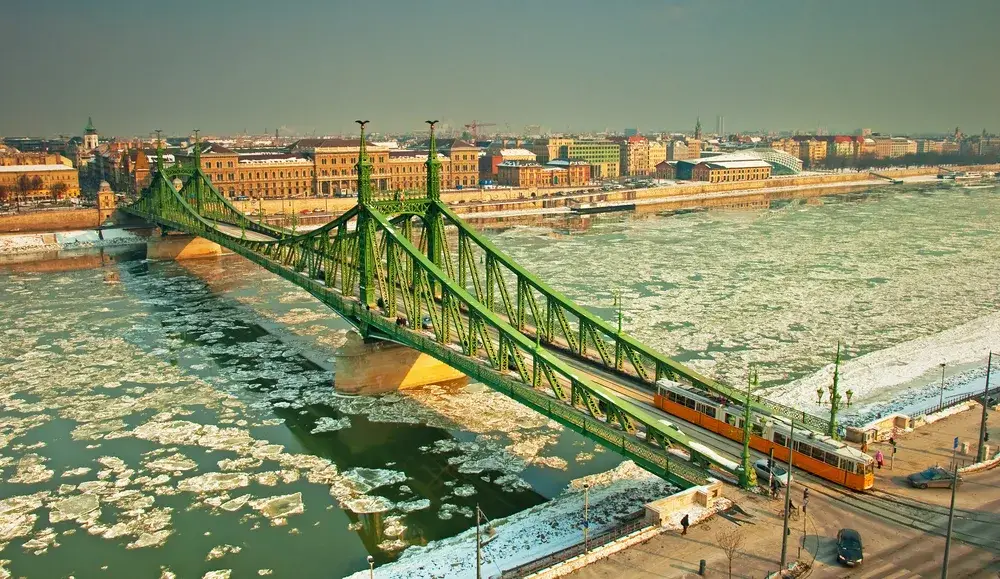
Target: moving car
(849,550)
(774,472)
(934,476)
(426,323)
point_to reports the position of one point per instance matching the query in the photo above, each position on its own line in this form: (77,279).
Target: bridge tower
(366,227)
(432,217)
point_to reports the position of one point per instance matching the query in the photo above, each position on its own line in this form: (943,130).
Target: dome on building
(104,187)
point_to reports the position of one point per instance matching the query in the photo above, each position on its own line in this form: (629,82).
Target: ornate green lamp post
(748,478)
(834,396)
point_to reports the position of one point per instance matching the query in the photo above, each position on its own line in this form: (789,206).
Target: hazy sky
(316,65)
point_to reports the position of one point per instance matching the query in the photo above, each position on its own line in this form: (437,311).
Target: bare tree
(731,541)
(5,192)
(22,186)
(58,190)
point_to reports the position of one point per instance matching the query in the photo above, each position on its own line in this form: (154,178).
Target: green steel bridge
(393,258)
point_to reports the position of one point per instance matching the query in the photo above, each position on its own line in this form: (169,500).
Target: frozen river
(168,417)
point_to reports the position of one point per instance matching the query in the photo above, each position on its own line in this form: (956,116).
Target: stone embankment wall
(475,200)
(54,220)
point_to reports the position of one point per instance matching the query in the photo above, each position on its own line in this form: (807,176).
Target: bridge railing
(482,344)
(533,307)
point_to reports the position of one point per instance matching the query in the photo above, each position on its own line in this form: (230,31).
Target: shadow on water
(187,311)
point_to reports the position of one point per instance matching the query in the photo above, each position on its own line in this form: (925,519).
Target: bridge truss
(392,262)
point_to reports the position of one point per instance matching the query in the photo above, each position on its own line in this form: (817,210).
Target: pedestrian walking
(774,488)
(879,459)
(864,447)
(684,524)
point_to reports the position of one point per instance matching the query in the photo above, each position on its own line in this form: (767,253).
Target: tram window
(757,429)
(830,458)
(710,411)
(780,439)
(730,419)
(818,453)
(689,403)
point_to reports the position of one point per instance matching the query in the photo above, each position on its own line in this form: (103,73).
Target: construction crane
(474,127)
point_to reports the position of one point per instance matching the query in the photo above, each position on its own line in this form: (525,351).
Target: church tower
(697,129)
(89,136)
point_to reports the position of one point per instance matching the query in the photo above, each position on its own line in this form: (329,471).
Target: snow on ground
(886,380)
(35,242)
(536,532)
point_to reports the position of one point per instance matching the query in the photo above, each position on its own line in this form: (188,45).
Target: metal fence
(635,522)
(957,399)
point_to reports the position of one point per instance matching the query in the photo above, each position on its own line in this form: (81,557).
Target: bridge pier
(381,367)
(177,246)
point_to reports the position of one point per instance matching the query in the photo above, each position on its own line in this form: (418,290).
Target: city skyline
(778,65)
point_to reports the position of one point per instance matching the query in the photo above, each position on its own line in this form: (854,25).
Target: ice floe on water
(327,424)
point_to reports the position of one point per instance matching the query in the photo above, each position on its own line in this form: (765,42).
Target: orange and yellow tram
(814,453)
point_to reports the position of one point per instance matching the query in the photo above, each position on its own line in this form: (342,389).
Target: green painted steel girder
(313,261)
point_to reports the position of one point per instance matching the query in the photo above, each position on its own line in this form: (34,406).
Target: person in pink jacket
(879,458)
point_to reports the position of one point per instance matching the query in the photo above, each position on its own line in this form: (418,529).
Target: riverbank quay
(902,527)
(474,203)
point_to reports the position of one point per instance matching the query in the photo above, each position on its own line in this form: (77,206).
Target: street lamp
(586,516)
(618,304)
(941,399)
(371,567)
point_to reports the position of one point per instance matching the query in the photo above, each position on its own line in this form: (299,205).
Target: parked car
(766,473)
(849,549)
(934,476)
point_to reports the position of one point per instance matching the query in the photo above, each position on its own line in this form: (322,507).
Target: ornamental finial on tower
(364,169)
(159,151)
(197,149)
(433,167)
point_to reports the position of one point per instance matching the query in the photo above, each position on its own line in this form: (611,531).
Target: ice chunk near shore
(327,424)
(30,470)
(72,508)
(214,481)
(173,463)
(280,506)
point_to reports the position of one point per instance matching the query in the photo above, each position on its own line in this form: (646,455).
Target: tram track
(976,528)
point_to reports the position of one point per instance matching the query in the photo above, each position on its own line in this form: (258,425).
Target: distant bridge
(392,258)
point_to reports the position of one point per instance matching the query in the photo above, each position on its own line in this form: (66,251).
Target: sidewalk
(891,550)
(932,445)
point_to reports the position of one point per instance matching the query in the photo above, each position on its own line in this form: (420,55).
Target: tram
(814,453)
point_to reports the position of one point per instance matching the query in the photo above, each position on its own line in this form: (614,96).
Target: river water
(179,418)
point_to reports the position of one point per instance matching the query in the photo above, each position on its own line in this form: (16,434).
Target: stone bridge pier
(177,246)
(376,367)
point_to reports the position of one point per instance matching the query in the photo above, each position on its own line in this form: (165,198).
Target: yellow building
(727,171)
(21,183)
(633,155)
(657,154)
(546,150)
(812,152)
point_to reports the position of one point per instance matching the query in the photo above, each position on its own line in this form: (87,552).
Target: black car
(849,551)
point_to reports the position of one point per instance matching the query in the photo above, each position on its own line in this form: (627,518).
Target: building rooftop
(513,163)
(747,164)
(33,168)
(516,153)
(331,143)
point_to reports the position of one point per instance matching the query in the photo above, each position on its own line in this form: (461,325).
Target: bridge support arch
(178,246)
(376,367)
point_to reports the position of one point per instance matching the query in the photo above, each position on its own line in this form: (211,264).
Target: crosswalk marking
(900,574)
(880,573)
(866,573)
